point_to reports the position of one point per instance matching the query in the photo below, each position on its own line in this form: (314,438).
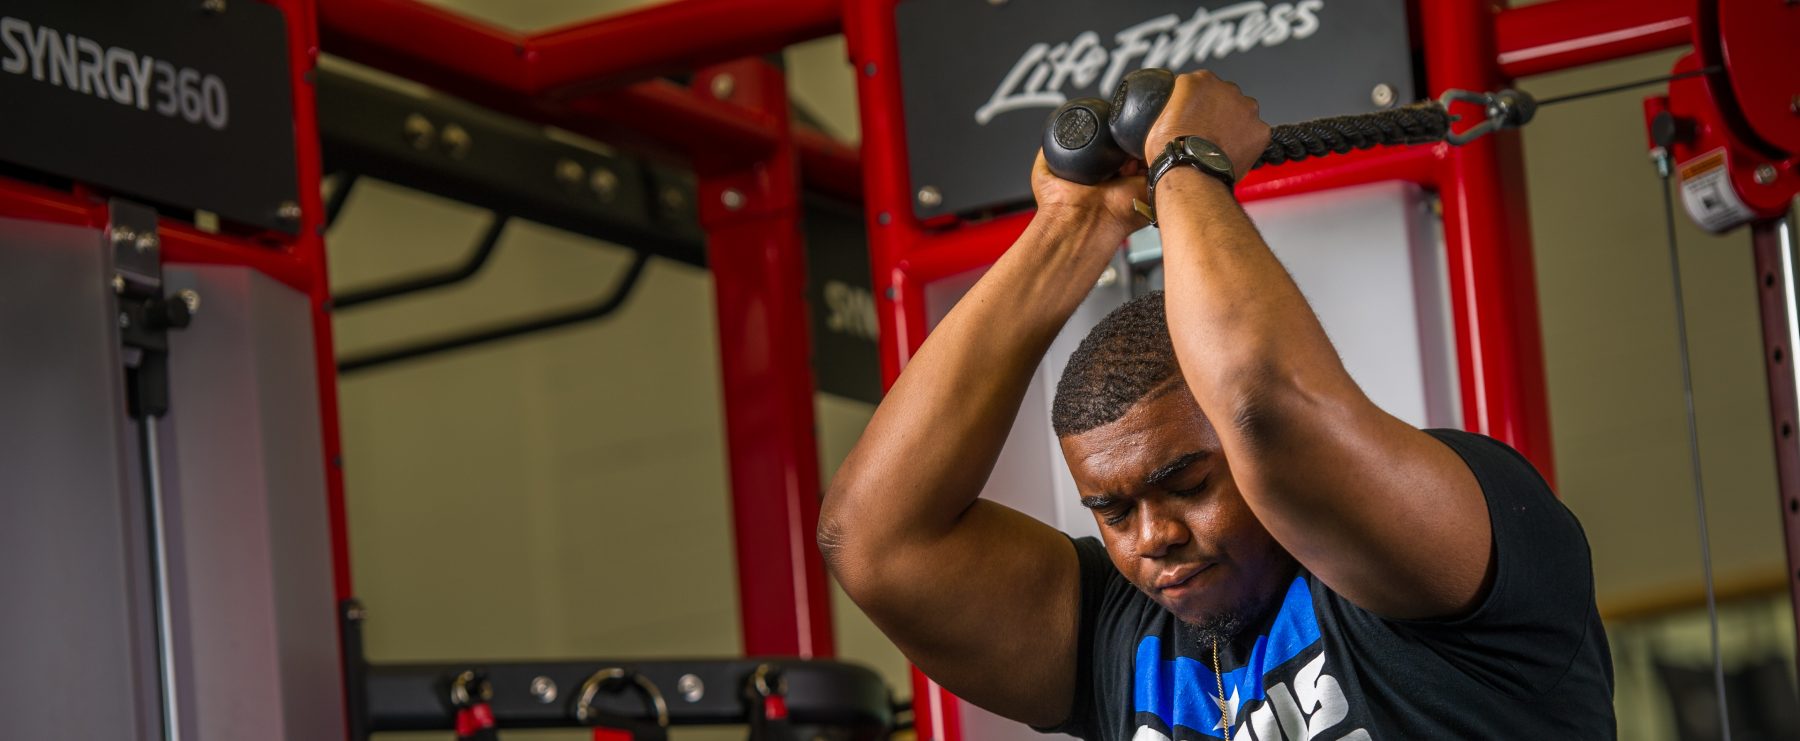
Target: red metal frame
(1552,36)
(744,144)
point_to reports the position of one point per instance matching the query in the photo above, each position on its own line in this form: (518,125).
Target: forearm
(927,453)
(1245,337)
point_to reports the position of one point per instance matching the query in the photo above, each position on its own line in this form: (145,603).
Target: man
(1281,560)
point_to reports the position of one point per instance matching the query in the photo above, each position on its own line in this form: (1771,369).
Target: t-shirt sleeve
(1097,573)
(1538,612)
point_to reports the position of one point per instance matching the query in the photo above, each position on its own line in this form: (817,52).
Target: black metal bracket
(478,259)
(437,144)
(606,305)
(518,170)
(824,699)
(145,315)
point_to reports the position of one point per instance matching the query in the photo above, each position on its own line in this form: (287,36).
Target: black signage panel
(980,78)
(846,358)
(158,99)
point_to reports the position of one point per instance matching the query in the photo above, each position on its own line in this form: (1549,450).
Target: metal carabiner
(1507,109)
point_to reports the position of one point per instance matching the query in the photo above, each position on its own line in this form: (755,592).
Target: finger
(1132,186)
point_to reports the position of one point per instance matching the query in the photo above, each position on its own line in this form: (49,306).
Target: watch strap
(1178,152)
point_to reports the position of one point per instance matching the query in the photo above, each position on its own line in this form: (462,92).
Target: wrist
(1077,226)
(1066,256)
(1187,180)
(1175,181)
(1188,199)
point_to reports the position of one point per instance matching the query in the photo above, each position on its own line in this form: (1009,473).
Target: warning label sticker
(1706,190)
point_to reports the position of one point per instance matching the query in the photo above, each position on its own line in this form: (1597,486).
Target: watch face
(1208,154)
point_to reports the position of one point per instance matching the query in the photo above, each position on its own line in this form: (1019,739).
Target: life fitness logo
(113,73)
(1045,71)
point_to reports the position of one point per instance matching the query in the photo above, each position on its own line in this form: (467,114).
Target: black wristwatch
(1203,155)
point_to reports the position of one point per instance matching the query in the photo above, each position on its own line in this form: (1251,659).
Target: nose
(1159,530)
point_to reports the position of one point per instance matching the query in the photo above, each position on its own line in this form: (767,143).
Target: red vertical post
(750,208)
(1493,285)
(308,250)
(893,234)
(893,231)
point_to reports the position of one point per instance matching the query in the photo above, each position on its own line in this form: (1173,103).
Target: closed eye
(1187,493)
(1112,510)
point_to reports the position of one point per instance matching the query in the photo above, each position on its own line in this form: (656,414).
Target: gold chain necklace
(1225,710)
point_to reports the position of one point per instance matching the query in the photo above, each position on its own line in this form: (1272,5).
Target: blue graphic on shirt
(1180,692)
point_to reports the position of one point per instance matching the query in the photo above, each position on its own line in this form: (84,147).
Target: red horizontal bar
(184,244)
(421,42)
(1414,164)
(181,242)
(965,248)
(1550,36)
(489,66)
(21,200)
(671,37)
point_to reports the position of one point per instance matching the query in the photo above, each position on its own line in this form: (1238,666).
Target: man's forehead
(1153,434)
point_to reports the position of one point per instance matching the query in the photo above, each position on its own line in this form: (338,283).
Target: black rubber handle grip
(1077,144)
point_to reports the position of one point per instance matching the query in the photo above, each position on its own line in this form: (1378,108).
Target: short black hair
(1125,359)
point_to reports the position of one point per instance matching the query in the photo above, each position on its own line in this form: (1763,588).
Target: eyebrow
(1098,502)
(1168,470)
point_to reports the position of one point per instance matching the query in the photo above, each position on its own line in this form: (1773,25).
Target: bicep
(989,610)
(1383,513)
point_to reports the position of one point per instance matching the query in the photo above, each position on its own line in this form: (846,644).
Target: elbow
(841,549)
(830,535)
(851,540)
(1261,400)
(836,532)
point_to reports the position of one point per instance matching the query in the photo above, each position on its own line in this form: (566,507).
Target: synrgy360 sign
(113,73)
(167,103)
(980,78)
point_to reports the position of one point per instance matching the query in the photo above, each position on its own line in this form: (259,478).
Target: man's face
(1171,516)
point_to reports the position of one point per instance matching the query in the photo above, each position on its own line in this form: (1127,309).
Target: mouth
(1175,579)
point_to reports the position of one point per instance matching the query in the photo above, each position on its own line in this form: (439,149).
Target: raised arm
(1383,513)
(981,597)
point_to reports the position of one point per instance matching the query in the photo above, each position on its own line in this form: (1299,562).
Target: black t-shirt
(1531,662)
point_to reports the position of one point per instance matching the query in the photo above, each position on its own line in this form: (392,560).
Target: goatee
(1220,628)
